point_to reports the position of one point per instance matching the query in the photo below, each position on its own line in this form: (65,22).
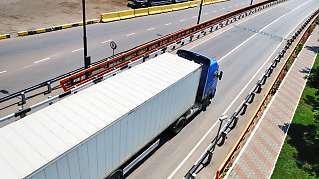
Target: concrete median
(141,12)
(118,15)
(4,36)
(22,33)
(167,8)
(206,2)
(194,3)
(180,6)
(155,10)
(110,16)
(65,26)
(41,30)
(127,14)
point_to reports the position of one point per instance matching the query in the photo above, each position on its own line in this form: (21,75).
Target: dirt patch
(19,15)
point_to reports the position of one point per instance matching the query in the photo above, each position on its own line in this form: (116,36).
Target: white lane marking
(28,66)
(213,126)
(223,31)
(127,35)
(104,42)
(276,20)
(248,140)
(4,71)
(42,60)
(182,20)
(194,17)
(168,24)
(150,29)
(77,50)
(205,13)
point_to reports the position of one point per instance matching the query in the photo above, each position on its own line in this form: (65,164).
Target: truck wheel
(205,103)
(178,125)
(117,174)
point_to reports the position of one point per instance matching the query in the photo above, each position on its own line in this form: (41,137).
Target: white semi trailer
(91,134)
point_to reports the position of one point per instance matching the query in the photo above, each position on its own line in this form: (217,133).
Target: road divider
(141,12)
(55,28)
(180,6)
(118,15)
(161,44)
(110,16)
(4,36)
(66,26)
(194,3)
(110,66)
(155,10)
(167,8)
(127,14)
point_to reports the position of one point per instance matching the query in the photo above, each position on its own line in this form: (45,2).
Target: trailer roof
(41,137)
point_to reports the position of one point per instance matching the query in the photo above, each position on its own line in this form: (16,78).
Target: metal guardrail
(160,44)
(241,110)
(122,61)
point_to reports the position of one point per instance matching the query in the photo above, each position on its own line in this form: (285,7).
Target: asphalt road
(27,61)
(244,51)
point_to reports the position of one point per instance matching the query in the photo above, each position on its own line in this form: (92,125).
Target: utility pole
(200,11)
(87,59)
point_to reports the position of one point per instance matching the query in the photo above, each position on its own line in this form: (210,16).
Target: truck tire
(178,125)
(117,174)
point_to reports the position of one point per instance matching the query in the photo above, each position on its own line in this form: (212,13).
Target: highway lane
(242,59)
(30,60)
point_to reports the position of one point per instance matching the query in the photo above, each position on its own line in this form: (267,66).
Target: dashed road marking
(168,24)
(127,35)
(194,17)
(182,20)
(42,60)
(240,93)
(3,71)
(150,29)
(77,49)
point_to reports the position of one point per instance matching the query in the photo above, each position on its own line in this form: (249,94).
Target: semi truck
(104,130)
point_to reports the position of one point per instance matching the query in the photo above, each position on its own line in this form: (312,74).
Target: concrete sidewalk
(258,157)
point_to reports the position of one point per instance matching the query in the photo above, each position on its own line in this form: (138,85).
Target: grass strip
(299,157)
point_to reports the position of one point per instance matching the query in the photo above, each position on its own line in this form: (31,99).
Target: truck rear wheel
(178,125)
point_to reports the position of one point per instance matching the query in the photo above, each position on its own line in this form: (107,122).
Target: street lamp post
(87,59)
(200,11)
(221,119)
(251,2)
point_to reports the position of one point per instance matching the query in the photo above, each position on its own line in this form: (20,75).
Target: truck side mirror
(220,76)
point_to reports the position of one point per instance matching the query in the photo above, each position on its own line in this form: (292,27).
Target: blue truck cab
(209,76)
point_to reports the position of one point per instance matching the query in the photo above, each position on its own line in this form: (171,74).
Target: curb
(126,14)
(116,16)
(4,36)
(55,28)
